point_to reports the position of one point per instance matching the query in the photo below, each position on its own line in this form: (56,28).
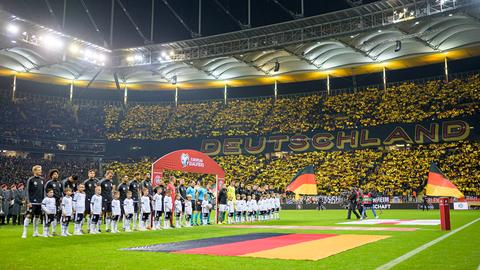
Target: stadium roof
(394,34)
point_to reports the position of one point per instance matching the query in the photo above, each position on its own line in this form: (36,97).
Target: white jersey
(116,210)
(254,206)
(205,207)
(128,206)
(48,205)
(67,206)
(271,203)
(261,205)
(277,202)
(167,204)
(157,202)
(96,204)
(178,206)
(145,200)
(249,206)
(241,206)
(231,207)
(188,207)
(79,202)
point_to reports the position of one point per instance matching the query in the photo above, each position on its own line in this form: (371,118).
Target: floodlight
(74,49)
(101,57)
(87,54)
(52,42)
(13,29)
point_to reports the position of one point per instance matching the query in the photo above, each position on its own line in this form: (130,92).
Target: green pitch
(459,251)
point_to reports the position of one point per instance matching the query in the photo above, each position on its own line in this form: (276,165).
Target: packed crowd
(15,170)
(399,172)
(407,102)
(50,119)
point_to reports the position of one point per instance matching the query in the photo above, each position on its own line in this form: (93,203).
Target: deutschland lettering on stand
(380,136)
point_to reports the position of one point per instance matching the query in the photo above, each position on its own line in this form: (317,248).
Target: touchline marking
(412,253)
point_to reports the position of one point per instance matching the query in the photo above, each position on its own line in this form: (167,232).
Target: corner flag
(303,182)
(439,186)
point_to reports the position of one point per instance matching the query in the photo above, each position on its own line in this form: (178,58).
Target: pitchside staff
(35,187)
(352,204)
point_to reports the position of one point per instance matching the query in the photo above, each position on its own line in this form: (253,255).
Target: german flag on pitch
(304,183)
(439,186)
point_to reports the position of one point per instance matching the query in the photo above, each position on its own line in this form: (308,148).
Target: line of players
(247,209)
(95,199)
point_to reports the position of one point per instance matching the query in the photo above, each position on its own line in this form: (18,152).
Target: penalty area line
(421,248)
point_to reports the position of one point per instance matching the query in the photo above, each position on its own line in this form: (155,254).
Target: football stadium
(240,134)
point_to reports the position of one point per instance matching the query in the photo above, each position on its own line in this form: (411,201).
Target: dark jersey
(35,190)
(123,188)
(90,185)
(182,190)
(57,188)
(134,189)
(256,195)
(107,187)
(148,185)
(68,184)
(222,196)
(240,190)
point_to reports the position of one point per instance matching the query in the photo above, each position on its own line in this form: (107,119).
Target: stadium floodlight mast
(176,95)
(14,86)
(71,90)
(328,84)
(225,93)
(275,89)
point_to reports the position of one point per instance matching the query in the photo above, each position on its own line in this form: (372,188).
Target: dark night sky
(167,27)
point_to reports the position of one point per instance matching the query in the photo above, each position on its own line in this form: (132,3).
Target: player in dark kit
(90,185)
(34,195)
(107,197)
(55,185)
(123,189)
(182,190)
(135,189)
(146,183)
(70,182)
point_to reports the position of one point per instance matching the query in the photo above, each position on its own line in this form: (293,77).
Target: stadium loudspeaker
(277,67)
(174,79)
(398,45)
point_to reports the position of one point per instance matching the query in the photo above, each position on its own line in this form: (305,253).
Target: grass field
(459,251)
